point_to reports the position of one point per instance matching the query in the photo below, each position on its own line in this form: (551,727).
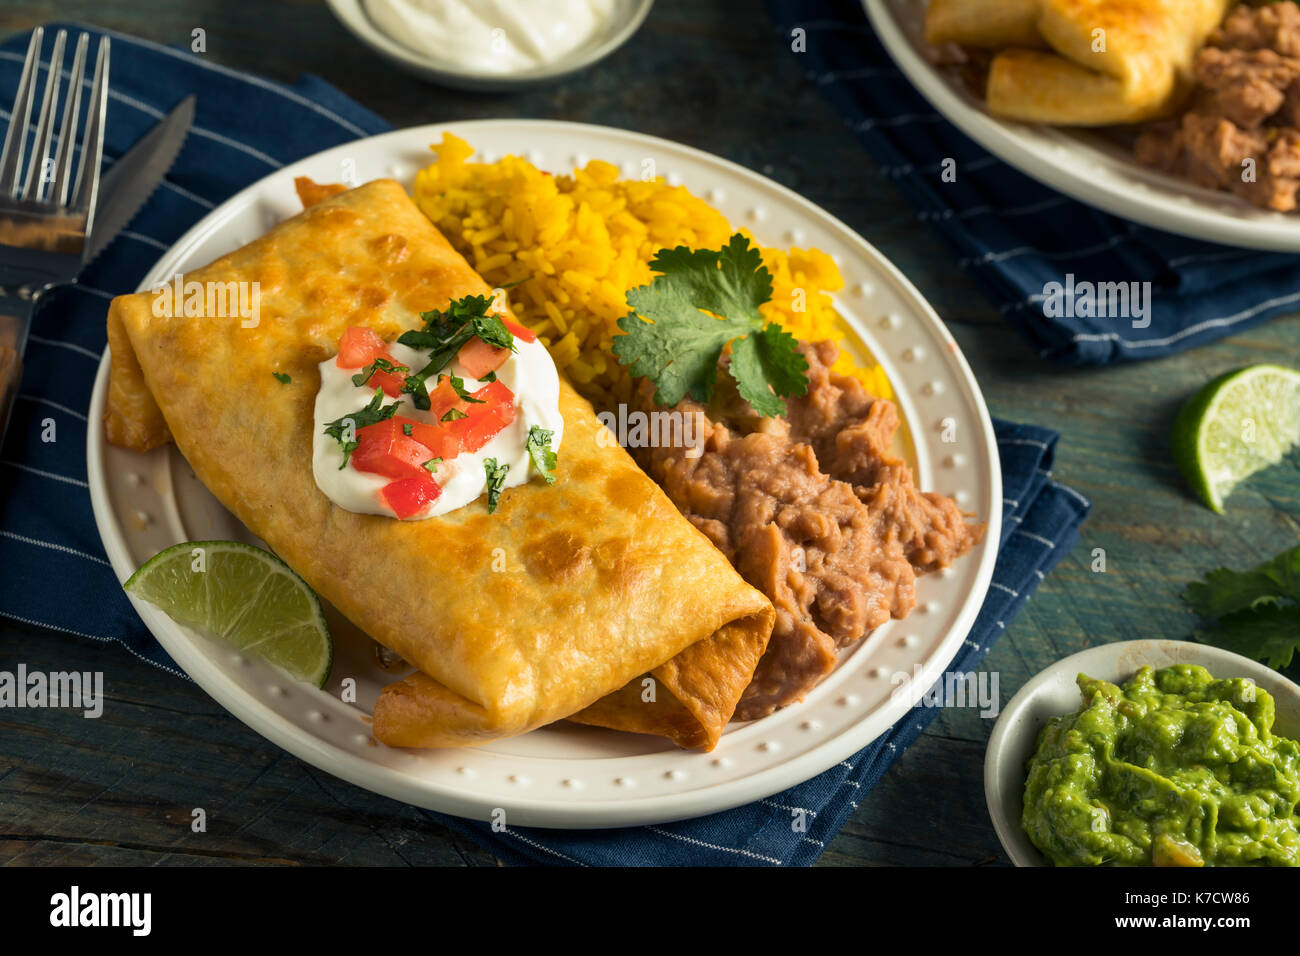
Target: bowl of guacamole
(1167,754)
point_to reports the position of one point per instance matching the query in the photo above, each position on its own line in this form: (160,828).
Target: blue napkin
(1014,235)
(56,574)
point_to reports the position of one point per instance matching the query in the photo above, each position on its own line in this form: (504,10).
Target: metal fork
(46,213)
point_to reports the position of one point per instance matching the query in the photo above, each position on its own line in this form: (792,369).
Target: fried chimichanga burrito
(523,606)
(1108,61)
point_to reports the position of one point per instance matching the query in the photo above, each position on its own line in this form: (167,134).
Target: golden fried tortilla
(566,594)
(1106,62)
(983,23)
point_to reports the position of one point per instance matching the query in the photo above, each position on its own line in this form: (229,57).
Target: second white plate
(1083,165)
(566,775)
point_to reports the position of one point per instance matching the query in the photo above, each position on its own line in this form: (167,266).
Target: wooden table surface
(712,74)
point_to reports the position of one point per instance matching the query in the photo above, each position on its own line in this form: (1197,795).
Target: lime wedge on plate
(1237,424)
(244,597)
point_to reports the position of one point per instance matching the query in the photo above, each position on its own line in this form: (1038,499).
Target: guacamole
(1174,768)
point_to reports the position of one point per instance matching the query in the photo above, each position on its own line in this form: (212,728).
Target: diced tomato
(443,399)
(497,399)
(383,449)
(408,496)
(358,348)
(487,419)
(517,330)
(473,433)
(478,357)
(439,439)
(390,382)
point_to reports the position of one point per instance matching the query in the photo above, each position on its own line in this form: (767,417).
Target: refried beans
(1245,106)
(816,511)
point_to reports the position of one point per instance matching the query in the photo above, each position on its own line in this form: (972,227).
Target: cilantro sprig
(539,450)
(672,339)
(344,430)
(1256,612)
(444,332)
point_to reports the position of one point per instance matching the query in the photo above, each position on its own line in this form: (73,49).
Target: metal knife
(133,178)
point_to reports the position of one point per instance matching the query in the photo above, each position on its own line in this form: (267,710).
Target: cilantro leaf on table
(671,338)
(1270,633)
(344,430)
(1224,591)
(1258,611)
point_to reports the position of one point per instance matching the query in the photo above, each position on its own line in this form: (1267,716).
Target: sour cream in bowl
(492,44)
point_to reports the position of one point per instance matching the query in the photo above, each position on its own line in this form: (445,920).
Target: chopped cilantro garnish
(490,377)
(493,331)
(282,378)
(1257,611)
(378,365)
(539,450)
(407,429)
(672,339)
(432,465)
(349,425)
(496,479)
(453,414)
(445,332)
(458,386)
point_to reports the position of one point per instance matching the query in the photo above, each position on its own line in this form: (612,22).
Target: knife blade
(136,174)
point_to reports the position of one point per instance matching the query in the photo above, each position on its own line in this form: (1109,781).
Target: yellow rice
(568,249)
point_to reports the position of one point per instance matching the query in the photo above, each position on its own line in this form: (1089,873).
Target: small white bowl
(1053,692)
(352,14)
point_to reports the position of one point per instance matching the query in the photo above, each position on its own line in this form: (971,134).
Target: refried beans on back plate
(1246,106)
(816,511)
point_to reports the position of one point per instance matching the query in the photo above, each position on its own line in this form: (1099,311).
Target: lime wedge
(1237,424)
(244,597)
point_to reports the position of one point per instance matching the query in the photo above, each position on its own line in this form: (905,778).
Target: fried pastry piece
(515,619)
(1104,61)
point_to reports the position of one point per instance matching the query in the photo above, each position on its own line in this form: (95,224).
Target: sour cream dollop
(529,373)
(497,36)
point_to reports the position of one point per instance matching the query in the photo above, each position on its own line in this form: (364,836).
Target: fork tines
(49,181)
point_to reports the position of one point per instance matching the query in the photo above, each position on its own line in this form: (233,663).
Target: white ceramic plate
(566,775)
(1083,165)
(1053,692)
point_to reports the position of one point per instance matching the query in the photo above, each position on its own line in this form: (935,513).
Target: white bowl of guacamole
(1142,753)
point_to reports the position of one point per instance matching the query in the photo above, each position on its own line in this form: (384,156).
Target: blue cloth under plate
(55,573)
(1015,235)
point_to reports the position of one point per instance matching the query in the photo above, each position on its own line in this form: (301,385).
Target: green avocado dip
(1174,768)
